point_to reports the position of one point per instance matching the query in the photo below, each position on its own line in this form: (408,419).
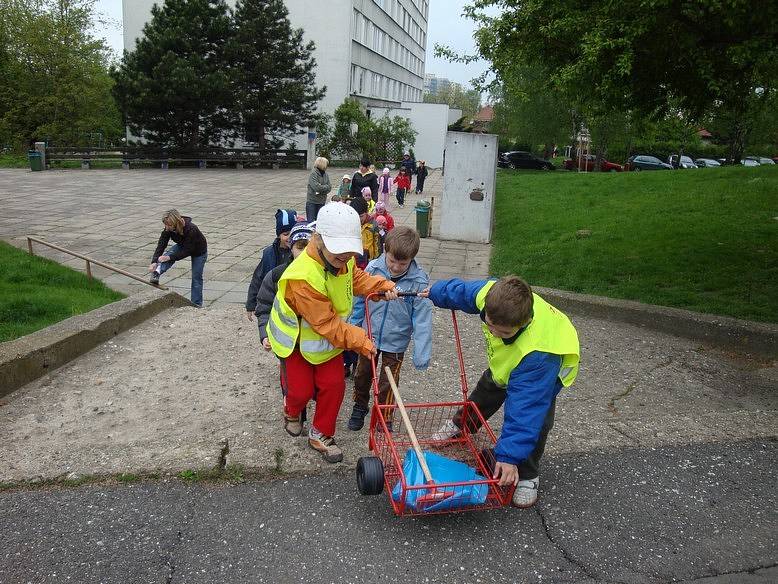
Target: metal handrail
(90,261)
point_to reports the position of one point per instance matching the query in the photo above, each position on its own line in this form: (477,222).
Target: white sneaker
(446,432)
(526,493)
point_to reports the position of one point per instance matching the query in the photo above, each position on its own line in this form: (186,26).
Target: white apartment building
(372,50)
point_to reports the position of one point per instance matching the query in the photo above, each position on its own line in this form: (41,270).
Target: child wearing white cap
(307,328)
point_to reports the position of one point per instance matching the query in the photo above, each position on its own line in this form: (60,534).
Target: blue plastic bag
(443,470)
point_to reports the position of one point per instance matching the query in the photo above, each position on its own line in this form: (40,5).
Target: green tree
(354,135)
(54,82)
(273,72)
(469,101)
(174,89)
(663,54)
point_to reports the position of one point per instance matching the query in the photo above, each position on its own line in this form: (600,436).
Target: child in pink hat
(384,187)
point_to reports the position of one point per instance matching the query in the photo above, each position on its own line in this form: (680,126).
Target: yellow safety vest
(550,331)
(284,326)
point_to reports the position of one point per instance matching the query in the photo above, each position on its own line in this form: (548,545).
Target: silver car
(707,163)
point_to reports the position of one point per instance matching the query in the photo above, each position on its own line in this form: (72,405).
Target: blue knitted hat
(285,220)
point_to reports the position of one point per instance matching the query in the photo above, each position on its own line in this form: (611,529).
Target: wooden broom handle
(411,433)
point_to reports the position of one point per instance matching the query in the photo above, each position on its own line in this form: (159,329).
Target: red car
(588,163)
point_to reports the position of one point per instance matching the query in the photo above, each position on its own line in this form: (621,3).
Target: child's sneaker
(357,419)
(293,424)
(154,279)
(446,432)
(325,445)
(526,493)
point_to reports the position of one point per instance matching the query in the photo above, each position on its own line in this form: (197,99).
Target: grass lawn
(704,240)
(14,161)
(35,292)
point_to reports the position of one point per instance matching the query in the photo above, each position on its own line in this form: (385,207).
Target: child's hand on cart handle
(507,473)
(424,293)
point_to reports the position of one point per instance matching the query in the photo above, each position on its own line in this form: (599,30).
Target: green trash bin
(423,218)
(36,161)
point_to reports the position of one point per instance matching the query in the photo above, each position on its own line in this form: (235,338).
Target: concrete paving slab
(166,394)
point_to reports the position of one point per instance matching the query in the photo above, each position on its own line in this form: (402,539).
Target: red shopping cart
(426,472)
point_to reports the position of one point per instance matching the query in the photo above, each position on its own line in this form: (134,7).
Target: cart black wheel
(370,475)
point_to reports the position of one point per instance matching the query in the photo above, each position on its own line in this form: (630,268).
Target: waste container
(423,218)
(36,161)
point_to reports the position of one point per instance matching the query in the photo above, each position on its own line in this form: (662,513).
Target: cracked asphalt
(704,513)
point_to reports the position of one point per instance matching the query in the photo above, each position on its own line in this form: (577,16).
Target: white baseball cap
(340,228)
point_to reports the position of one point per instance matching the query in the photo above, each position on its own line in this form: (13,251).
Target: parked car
(525,160)
(589,164)
(763,160)
(749,162)
(707,163)
(640,162)
(686,162)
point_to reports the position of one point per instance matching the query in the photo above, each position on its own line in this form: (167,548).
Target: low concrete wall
(725,332)
(25,359)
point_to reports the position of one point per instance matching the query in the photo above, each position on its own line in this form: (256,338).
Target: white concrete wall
(454,115)
(430,120)
(471,164)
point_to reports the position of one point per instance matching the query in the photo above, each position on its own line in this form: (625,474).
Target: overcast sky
(446,26)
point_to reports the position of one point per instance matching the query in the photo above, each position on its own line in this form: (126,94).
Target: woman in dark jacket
(189,242)
(318,187)
(364,178)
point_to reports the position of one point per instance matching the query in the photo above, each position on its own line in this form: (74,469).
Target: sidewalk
(114,216)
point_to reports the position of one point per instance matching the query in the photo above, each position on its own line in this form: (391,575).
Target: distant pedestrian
(273,255)
(364,178)
(189,242)
(409,164)
(403,183)
(344,189)
(421,175)
(384,186)
(318,187)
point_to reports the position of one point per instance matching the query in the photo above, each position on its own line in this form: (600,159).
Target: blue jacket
(532,385)
(395,323)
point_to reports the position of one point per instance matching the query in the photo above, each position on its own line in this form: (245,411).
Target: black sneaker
(154,279)
(357,419)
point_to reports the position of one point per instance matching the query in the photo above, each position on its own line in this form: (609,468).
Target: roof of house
(485,114)
(703,133)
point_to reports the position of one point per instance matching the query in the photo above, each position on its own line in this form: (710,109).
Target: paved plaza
(114,216)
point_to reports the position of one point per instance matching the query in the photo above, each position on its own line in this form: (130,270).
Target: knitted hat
(380,207)
(346,177)
(366,192)
(386,170)
(285,219)
(359,205)
(380,220)
(301,231)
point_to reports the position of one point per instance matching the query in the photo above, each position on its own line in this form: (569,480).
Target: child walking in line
(394,324)
(307,327)
(367,194)
(421,175)
(189,242)
(384,186)
(344,190)
(380,211)
(403,182)
(273,255)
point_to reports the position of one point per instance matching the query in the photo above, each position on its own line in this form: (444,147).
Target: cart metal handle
(374,359)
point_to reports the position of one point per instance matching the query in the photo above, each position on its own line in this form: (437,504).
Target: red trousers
(299,378)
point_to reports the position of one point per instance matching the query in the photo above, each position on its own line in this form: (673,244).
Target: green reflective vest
(285,327)
(550,331)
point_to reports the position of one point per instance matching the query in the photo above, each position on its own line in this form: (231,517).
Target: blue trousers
(198,265)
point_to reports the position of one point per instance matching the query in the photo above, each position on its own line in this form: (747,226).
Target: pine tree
(273,73)
(173,89)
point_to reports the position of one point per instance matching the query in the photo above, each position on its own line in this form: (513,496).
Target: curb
(743,336)
(32,356)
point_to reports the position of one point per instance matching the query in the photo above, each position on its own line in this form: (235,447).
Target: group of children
(381,187)
(307,295)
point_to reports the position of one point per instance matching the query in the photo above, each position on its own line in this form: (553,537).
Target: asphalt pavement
(704,513)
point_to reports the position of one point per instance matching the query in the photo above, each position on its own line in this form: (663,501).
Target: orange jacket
(317,309)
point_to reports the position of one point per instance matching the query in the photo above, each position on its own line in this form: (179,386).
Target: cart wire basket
(462,465)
